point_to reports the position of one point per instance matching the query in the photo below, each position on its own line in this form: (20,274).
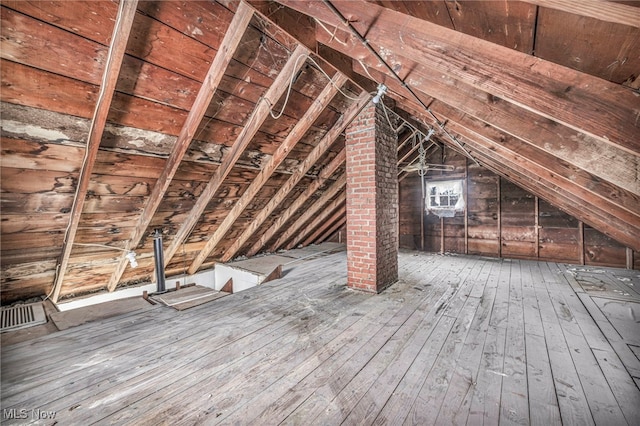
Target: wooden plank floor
(458,340)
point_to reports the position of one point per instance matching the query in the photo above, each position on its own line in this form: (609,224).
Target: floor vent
(22,316)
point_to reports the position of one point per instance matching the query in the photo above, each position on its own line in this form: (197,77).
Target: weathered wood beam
(317,107)
(604,110)
(320,217)
(407,139)
(121,30)
(219,64)
(340,213)
(576,148)
(609,197)
(598,9)
(282,193)
(249,130)
(337,225)
(327,195)
(495,152)
(408,154)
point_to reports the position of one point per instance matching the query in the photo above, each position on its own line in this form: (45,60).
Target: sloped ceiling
(167,123)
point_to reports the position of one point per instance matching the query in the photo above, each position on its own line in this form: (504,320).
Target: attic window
(445,198)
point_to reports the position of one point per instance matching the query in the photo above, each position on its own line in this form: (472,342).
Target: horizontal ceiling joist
(218,66)
(606,111)
(121,30)
(296,134)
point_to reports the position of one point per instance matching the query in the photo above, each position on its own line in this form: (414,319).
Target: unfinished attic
(327,212)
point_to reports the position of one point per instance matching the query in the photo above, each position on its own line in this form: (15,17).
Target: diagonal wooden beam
(598,9)
(341,212)
(329,193)
(249,130)
(407,139)
(408,154)
(282,193)
(117,49)
(337,225)
(604,110)
(568,188)
(303,125)
(320,217)
(219,64)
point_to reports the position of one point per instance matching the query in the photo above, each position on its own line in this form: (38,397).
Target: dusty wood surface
(459,339)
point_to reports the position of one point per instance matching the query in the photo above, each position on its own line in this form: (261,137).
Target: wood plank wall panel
(558,235)
(601,250)
(482,208)
(518,221)
(410,201)
(558,238)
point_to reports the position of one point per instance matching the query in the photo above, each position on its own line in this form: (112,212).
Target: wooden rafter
(249,130)
(541,176)
(340,213)
(406,140)
(319,219)
(332,221)
(578,149)
(303,125)
(604,110)
(323,176)
(122,29)
(222,59)
(285,189)
(598,9)
(327,195)
(337,225)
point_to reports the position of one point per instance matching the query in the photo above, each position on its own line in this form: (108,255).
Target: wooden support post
(442,235)
(499,207)
(203,99)
(422,210)
(294,136)
(121,30)
(251,127)
(537,226)
(630,260)
(581,242)
(466,203)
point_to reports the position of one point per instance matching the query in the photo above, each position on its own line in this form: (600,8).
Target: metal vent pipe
(158,256)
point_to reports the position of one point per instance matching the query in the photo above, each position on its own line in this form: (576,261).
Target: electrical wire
(292,80)
(367,45)
(101,245)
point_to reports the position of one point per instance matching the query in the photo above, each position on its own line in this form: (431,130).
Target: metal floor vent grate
(22,316)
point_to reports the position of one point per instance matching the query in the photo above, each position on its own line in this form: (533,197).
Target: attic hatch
(22,316)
